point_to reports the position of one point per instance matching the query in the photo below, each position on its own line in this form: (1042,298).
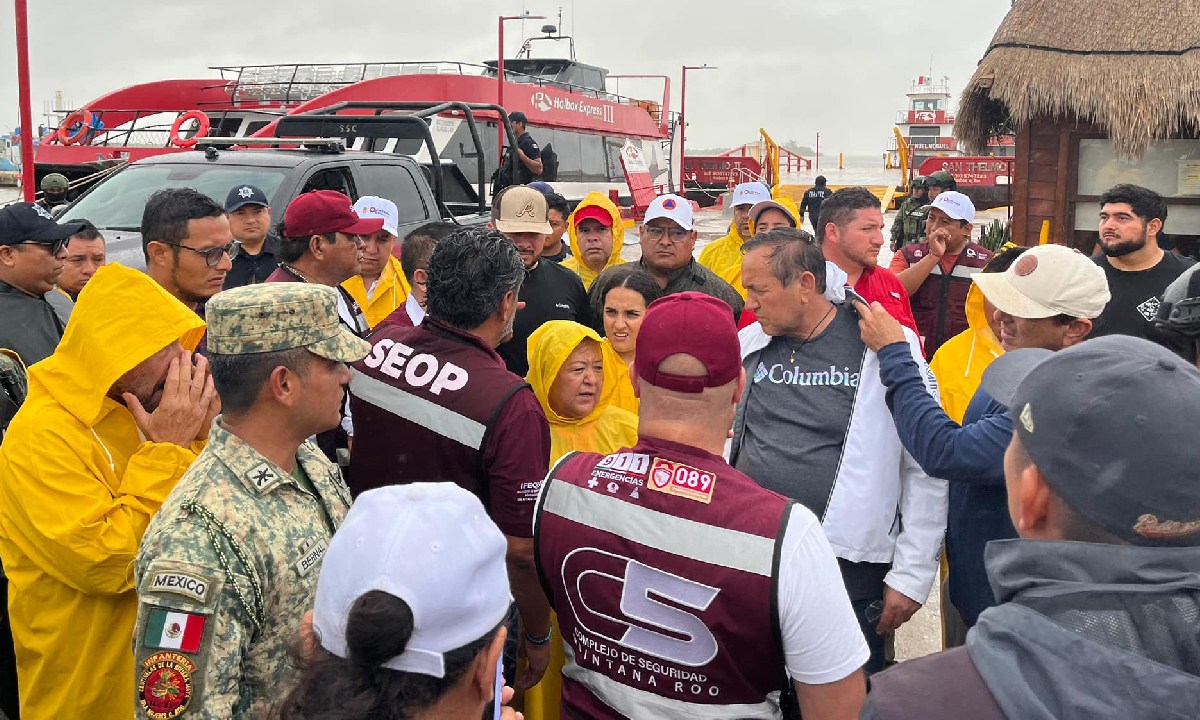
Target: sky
(795,67)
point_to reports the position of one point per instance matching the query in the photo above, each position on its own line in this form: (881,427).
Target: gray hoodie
(1089,631)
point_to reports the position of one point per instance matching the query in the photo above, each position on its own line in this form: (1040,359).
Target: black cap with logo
(1111,424)
(245,195)
(30,222)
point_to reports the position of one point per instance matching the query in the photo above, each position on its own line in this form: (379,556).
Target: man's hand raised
(187,398)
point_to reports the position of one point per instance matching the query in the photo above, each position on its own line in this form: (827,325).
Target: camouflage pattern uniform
(909,225)
(234,553)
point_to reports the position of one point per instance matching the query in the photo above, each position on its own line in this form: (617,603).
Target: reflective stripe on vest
(634,703)
(706,543)
(958,271)
(429,415)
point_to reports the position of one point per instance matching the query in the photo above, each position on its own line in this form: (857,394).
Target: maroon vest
(661,562)
(424,401)
(939,305)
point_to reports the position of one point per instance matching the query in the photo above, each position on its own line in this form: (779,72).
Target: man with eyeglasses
(32,254)
(187,243)
(668,240)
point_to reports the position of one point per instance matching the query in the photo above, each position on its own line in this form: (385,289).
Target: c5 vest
(661,561)
(939,305)
(430,396)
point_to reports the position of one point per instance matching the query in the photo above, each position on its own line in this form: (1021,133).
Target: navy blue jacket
(970,456)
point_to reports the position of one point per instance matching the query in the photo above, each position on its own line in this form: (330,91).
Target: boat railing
(929,87)
(295,83)
(148,128)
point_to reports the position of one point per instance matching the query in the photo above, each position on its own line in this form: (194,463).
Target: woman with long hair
(620,300)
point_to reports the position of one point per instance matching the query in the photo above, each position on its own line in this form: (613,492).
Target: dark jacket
(1084,631)
(970,456)
(28,325)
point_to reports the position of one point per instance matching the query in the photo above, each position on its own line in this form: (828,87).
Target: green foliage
(994,236)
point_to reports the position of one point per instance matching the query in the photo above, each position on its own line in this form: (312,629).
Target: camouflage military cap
(270,317)
(942,179)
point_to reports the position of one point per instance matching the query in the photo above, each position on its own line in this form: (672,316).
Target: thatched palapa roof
(1132,66)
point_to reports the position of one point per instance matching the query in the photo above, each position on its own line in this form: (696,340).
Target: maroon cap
(325,211)
(688,323)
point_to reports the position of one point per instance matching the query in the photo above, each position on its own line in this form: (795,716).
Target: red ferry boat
(579,124)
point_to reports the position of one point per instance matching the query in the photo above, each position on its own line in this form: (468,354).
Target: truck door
(396,182)
(331,177)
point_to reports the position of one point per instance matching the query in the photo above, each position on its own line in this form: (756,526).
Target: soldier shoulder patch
(165,685)
(262,477)
(173,629)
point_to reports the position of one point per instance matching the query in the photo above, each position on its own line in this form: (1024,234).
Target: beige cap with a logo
(520,208)
(1048,280)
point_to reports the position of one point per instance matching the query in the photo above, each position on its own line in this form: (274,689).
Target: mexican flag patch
(174,630)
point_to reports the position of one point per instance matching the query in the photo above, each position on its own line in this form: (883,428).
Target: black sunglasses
(54,246)
(212,256)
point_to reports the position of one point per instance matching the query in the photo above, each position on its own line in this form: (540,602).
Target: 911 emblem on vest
(682,480)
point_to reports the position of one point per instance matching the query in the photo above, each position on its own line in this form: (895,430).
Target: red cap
(325,211)
(593,212)
(688,323)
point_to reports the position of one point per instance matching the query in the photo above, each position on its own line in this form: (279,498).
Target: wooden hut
(1098,92)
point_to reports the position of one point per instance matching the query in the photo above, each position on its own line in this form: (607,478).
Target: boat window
(336,179)
(566,147)
(118,202)
(396,183)
(916,130)
(612,149)
(255,126)
(594,161)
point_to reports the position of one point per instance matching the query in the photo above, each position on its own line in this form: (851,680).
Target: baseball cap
(956,205)
(30,222)
(1111,424)
(1179,310)
(244,195)
(1047,280)
(271,317)
(518,117)
(671,207)
(688,323)
(373,206)
(325,211)
(433,546)
(55,181)
(543,187)
(592,212)
(520,208)
(765,205)
(750,193)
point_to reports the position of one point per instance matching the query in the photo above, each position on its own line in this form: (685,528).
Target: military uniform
(229,565)
(909,225)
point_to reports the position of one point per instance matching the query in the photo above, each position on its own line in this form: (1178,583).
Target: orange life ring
(81,117)
(201,131)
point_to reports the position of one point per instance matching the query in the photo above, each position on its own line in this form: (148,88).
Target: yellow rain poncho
(575,261)
(959,363)
(79,486)
(391,290)
(619,377)
(606,429)
(724,255)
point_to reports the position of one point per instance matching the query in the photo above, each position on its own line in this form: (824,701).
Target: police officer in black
(528,157)
(813,198)
(256,250)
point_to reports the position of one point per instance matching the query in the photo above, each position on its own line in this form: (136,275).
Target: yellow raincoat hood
(80,485)
(959,363)
(607,427)
(724,255)
(575,262)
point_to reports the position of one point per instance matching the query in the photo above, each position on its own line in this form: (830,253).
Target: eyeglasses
(677,234)
(54,246)
(212,256)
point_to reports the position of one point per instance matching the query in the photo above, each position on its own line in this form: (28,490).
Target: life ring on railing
(201,130)
(80,117)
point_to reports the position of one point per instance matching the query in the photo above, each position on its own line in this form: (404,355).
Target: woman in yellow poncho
(569,372)
(620,305)
(598,244)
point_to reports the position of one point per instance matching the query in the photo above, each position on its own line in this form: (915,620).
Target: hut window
(1169,167)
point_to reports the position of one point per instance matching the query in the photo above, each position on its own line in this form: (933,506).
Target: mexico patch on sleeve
(173,630)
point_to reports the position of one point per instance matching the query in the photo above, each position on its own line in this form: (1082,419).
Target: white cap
(370,207)
(750,193)
(429,544)
(671,207)
(956,205)
(1047,280)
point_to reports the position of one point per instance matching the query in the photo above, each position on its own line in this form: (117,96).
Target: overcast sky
(794,67)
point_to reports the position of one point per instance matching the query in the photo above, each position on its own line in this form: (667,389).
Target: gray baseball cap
(1111,423)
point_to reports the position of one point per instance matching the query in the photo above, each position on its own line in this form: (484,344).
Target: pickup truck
(115,204)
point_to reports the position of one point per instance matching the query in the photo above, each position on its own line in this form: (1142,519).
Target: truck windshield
(117,203)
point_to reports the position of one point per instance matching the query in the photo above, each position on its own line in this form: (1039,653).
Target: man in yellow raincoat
(110,424)
(381,286)
(574,380)
(724,255)
(597,236)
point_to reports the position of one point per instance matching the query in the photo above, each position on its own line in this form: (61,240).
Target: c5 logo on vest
(618,599)
(393,359)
